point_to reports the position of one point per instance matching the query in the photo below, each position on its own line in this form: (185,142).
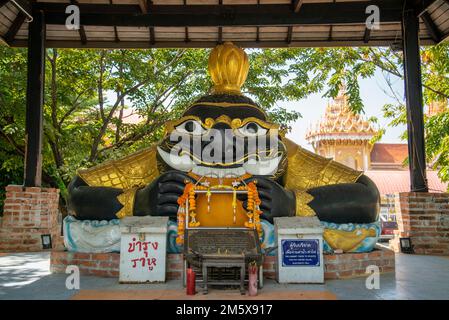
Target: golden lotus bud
(228,68)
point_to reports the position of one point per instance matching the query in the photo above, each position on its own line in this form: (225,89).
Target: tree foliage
(89,94)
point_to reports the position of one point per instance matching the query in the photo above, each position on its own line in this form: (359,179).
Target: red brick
(100,273)
(359,256)
(359,272)
(91,264)
(113,273)
(115,257)
(330,257)
(175,266)
(14,188)
(330,275)
(101,256)
(388,269)
(81,256)
(344,274)
(174,275)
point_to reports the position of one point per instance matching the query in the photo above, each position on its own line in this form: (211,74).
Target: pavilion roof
(204,23)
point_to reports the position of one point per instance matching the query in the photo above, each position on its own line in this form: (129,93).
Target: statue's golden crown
(228,68)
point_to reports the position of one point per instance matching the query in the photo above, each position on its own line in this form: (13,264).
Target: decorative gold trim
(172,124)
(302,201)
(228,68)
(134,170)
(263,124)
(222,119)
(224,104)
(126,198)
(348,241)
(208,123)
(308,170)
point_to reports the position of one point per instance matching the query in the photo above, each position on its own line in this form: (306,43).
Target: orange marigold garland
(253,212)
(181,216)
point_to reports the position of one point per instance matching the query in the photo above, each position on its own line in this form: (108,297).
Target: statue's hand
(160,198)
(276,201)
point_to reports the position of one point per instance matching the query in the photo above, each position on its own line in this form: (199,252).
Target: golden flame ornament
(228,68)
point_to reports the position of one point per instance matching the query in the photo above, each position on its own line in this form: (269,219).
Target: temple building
(347,137)
(343,135)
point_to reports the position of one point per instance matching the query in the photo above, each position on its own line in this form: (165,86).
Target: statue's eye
(191,127)
(252,129)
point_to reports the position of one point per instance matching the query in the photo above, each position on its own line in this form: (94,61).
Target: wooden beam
(297,4)
(212,43)
(289,34)
(81,30)
(220,29)
(220,35)
(143,6)
(258,28)
(116,37)
(423,5)
(431,27)
(3,2)
(445,37)
(151,29)
(414,101)
(152,36)
(186,29)
(367,35)
(23,6)
(82,33)
(35,100)
(225,15)
(15,27)
(186,34)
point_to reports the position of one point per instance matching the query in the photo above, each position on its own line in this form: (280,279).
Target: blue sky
(374,93)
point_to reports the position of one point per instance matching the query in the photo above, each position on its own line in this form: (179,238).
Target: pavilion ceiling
(204,23)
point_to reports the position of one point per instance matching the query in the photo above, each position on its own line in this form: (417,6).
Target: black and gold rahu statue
(285,180)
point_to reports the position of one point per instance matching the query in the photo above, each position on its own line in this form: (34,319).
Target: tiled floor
(27,276)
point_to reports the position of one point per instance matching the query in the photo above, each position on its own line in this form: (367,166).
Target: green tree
(82,127)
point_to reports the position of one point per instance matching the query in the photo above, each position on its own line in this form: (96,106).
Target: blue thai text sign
(304,252)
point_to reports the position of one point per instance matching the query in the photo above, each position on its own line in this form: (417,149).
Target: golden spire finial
(228,68)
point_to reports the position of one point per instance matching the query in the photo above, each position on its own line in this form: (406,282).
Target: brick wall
(28,213)
(95,264)
(108,264)
(424,217)
(348,265)
(336,266)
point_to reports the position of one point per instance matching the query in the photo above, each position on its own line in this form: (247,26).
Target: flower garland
(253,210)
(181,216)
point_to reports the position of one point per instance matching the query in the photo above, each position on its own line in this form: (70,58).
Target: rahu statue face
(224,134)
